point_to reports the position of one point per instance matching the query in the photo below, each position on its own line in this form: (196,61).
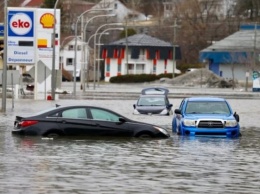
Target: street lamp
(82,73)
(53,84)
(87,43)
(115,24)
(99,48)
(75,46)
(175,26)
(4,79)
(65,40)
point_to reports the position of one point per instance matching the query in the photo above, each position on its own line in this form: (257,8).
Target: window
(71,47)
(99,114)
(69,61)
(75,113)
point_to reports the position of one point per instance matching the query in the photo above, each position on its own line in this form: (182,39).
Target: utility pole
(126,44)
(4,80)
(53,71)
(254,54)
(175,26)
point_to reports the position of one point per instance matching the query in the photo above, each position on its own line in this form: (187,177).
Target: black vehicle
(84,120)
(153,100)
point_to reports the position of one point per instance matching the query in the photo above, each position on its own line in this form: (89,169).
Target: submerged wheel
(145,135)
(53,135)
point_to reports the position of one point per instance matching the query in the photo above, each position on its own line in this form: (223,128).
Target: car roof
(61,107)
(155,91)
(206,98)
(80,106)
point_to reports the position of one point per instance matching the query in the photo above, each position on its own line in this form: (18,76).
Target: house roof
(241,40)
(138,41)
(241,43)
(32,3)
(142,40)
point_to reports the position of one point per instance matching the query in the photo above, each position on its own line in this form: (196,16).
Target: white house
(121,11)
(142,54)
(67,55)
(222,8)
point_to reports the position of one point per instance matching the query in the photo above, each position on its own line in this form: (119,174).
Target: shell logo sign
(47,20)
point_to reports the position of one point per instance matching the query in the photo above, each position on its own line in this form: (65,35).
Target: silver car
(153,100)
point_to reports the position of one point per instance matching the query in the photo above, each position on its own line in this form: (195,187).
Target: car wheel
(53,135)
(145,135)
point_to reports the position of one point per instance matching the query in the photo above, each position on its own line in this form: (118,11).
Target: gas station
(30,46)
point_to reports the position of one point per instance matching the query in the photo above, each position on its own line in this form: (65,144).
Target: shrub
(140,78)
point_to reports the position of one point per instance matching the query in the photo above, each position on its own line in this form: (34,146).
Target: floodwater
(129,165)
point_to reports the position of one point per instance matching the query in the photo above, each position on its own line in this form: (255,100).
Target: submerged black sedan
(84,120)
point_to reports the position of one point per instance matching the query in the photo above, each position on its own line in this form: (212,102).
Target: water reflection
(129,165)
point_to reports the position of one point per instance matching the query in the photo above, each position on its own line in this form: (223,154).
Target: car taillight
(27,123)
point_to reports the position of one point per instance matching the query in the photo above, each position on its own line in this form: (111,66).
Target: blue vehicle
(211,116)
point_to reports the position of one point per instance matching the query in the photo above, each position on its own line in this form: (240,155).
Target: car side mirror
(169,105)
(134,106)
(121,120)
(236,116)
(177,111)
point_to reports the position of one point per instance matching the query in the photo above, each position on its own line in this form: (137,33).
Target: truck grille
(210,124)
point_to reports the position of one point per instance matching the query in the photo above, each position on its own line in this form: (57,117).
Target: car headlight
(164,131)
(231,123)
(188,122)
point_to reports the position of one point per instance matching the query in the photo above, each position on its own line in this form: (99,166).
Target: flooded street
(129,165)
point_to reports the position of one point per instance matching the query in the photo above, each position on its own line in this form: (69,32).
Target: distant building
(121,11)
(32,3)
(139,54)
(239,51)
(67,55)
(221,8)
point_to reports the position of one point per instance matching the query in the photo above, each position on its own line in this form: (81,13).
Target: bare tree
(201,24)
(248,10)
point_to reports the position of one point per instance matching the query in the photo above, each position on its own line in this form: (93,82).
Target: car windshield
(151,101)
(212,107)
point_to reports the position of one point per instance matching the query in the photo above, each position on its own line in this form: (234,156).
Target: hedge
(139,78)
